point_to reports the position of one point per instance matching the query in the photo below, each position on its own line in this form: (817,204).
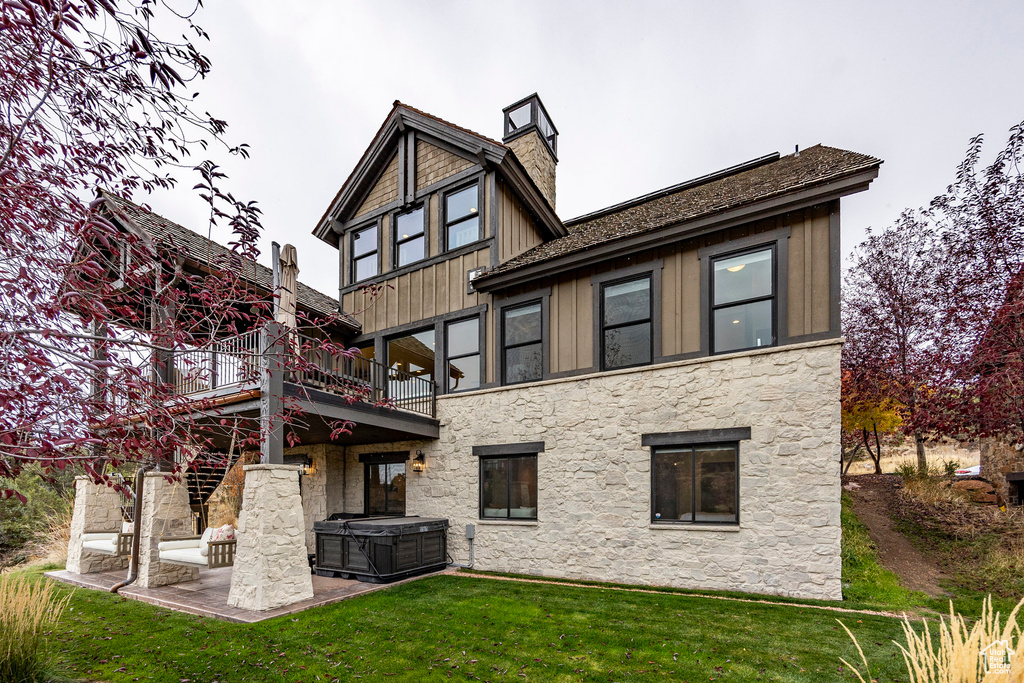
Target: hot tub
(380,549)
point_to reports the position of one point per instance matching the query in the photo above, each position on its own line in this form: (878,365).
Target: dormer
(534,140)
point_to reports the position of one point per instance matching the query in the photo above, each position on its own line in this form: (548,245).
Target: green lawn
(463,628)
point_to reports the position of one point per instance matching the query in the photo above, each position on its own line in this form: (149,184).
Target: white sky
(644,94)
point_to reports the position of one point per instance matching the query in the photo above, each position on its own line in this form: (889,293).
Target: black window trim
(544,294)
(408,331)
(350,242)
(481,331)
(387,458)
(602,328)
(530,301)
(692,440)
(780,238)
(396,242)
(773,297)
(479,215)
(506,452)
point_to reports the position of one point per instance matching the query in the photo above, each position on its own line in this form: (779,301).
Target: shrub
(960,655)
(27,610)
(950,467)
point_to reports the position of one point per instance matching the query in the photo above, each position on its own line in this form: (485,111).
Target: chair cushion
(186,555)
(204,542)
(102,545)
(179,545)
(99,537)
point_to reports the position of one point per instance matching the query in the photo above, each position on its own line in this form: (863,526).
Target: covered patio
(208,596)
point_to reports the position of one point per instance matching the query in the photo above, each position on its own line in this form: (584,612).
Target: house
(646,394)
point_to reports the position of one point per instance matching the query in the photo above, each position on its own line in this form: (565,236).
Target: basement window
(697,483)
(508,487)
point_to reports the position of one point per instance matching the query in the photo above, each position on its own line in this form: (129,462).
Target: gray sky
(644,94)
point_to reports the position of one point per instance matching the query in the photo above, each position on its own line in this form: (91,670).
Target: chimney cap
(529,114)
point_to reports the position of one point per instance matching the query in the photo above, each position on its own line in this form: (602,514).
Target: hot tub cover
(383,526)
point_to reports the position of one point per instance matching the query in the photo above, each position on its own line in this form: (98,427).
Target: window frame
(352,258)
(396,242)
(771,246)
(479,215)
(481,324)
(735,444)
(497,452)
(386,458)
(649,276)
(512,305)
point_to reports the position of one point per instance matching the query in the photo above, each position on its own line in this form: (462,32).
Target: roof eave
(523,185)
(855,182)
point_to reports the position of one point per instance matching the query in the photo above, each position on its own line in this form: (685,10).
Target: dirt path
(871,495)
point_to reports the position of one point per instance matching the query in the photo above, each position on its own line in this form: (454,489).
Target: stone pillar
(165,513)
(271,567)
(97,508)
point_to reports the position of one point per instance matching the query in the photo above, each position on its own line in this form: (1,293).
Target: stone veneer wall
(165,514)
(594,485)
(97,508)
(998,459)
(316,505)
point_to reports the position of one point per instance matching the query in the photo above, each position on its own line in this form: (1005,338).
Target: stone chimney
(534,139)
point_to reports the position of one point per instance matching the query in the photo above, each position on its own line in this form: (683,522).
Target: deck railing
(237,360)
(363,378)
(225,362)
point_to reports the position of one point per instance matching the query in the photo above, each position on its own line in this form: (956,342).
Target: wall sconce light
(419,463)
(303,461)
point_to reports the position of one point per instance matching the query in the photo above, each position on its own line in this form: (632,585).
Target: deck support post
(165,514)
(273,347)
(271,565)
(97,508)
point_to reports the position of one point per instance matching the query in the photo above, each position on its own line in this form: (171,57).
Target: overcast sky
(644,94)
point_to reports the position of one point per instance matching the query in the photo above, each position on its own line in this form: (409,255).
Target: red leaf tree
(88,314)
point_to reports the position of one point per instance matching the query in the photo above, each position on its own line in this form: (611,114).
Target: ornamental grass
(990,651)
(28,610)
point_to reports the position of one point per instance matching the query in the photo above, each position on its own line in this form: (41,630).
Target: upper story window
(462,217)
(364,263)
(626,323)
(410,237)
(743,300)
(522,343)
(463,354)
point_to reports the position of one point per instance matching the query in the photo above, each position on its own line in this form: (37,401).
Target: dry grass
(28,609)
(52,547)
(937,454)
(934,491)
(962,654)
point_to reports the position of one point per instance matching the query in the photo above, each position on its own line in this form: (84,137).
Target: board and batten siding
(571,306)
(517,231)
(418,294)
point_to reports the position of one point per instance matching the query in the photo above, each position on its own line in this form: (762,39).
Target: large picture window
(743,301)
(462,217)
(412,354)
(508,487)
(410,240)
(522,343)
(626,323)
(463,354)
(363,248)
(695,484)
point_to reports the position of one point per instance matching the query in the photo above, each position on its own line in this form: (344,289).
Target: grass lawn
(463,628)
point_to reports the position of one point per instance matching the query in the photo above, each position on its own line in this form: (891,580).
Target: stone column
(97,508)
(271,567)
(165,513)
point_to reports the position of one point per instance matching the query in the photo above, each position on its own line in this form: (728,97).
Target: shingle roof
(201,250)
(812,166)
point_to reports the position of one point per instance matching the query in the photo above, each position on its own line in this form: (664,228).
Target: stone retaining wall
(594,483)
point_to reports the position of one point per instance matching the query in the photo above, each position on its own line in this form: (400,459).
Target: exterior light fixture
(303,461)
(419,463)
(735,322)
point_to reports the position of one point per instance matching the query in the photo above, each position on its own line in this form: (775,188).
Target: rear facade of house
(646,394)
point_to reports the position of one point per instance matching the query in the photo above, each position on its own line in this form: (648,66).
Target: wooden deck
(208,597)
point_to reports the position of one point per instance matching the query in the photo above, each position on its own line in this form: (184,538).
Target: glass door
(385,489)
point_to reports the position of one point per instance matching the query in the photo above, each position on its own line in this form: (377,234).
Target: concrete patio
(208,597)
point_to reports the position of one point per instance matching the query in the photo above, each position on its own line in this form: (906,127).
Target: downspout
(133,567)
